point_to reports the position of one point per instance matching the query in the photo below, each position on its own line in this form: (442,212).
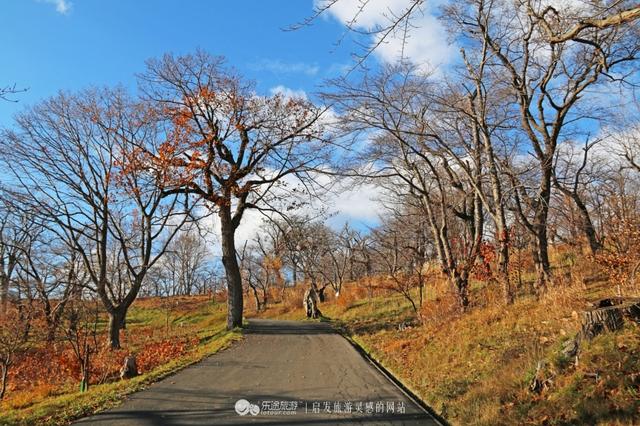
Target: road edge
(393,379)
(236,336)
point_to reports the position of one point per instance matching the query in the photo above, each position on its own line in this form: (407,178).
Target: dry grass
(164,333)
(475,367)
(348,296)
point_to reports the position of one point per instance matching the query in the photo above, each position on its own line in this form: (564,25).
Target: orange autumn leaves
(211,136)
(55,366)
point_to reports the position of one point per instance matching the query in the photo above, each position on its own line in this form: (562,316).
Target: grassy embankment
(476,367)
(153,328)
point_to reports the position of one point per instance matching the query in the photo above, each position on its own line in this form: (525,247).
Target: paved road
(294,373)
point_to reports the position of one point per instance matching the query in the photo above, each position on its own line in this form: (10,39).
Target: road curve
(287,373)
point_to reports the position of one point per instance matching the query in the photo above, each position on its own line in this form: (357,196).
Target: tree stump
(609,315)
(130,368)
(310,303)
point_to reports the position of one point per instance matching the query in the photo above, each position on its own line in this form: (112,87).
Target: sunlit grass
(476,367)
(199,318)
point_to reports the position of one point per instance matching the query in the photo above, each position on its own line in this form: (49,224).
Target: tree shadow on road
(272,327)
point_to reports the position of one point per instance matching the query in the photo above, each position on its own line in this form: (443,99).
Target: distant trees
(185,267)
(261,270)
(290,232)
(14,239)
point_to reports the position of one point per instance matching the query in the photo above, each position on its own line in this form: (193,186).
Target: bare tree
(406,155)
(339,261)
(401,259)
(548,76)
(573,176)
(72,160)
(250,269)
(184,265)
(7,91)
(261,268)
(231,147)
(52,276)
(314,250)
(289,232)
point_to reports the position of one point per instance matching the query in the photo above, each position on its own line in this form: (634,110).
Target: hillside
(165,334)
(477,367)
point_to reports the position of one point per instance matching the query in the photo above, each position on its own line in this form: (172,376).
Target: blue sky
(51,45)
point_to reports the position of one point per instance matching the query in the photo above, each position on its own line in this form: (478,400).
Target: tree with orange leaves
(231,147)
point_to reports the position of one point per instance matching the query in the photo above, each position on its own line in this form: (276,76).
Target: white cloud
(249,228)
(356,205)
(426,45)
(280,67)
(360,204)
(569,7)
(288,92)
(62,6)
(349,202)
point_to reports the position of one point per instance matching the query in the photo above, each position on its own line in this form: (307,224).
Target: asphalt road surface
(282,373)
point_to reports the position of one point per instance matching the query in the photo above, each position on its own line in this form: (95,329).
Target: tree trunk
(84,383)
(5,373)
(541,257)
(116,317)
(462,290)
(265,298)
(232,270)
(320,293)
(503,271)
(499,215)
(256,298)
(310,303)
(587,226)
(52,327)
(4,294)
(503,262)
